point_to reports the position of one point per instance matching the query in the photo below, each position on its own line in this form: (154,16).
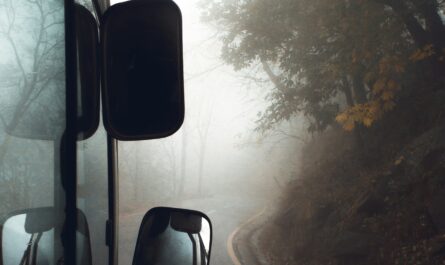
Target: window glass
(32,120)
(313,133)
(92,190)
(92,170)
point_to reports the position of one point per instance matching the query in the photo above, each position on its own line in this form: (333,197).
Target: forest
(368,78)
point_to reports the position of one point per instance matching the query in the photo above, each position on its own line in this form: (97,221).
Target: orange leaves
(378,86)
(391,64)
(423,53)
(346,120)
(384,88)
(367,114)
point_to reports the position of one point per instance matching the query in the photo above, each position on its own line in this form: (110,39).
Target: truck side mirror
(173,236)
(142,69)
(28,237)
(88,82)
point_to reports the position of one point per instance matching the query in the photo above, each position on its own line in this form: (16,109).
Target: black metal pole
(68,155)
(112,227)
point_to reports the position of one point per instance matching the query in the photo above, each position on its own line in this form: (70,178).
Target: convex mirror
(28,237)
(143,90)
(174,237)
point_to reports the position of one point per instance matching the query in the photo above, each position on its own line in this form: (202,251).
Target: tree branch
(419,35)
(274,78)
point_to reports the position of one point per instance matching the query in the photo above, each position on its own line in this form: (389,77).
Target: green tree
(330,59)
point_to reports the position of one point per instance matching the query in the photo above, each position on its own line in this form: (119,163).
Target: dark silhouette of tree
(334,61)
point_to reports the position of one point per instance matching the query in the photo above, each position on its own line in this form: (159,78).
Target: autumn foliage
(335,61)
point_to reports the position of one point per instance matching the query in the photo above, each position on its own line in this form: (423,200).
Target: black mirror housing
(142,69)
(89,81)
(173,236)
(20,226)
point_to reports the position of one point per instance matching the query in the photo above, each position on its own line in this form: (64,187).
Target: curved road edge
(240,244)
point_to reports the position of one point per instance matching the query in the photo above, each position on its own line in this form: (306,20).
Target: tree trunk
(358,86)
(273,78)
(348,93)
(201,166)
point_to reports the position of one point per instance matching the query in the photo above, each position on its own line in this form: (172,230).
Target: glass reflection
(29,237)
(23,248)
(172,236)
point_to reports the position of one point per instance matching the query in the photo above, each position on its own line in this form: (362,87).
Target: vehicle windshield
(313,133)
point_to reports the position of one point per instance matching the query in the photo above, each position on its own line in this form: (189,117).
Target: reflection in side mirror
(143,90)
(175,237)
(88,83)
(28,237)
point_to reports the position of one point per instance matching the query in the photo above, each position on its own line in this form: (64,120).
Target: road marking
(230,249)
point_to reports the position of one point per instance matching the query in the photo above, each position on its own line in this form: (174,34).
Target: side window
(32,122)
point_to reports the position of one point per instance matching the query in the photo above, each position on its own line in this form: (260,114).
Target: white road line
(230,249)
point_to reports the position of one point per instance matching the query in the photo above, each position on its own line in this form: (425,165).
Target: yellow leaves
(342,117)
(384,92)
(399,160)
(387,95)
(345,119)
(391,64)
(393,85)
(365,114)
(368,121)
(385,89)
(383,82)
(378,86)
(423,53)
(349,126)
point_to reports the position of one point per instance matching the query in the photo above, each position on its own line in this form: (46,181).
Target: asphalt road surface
(228,213)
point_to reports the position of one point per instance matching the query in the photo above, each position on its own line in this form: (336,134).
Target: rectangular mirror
(143,85)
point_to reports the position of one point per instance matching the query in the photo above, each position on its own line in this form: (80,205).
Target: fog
(218,140)
(217,162)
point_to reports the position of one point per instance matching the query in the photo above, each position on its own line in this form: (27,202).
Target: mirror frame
(108,124)
(87,47)
(185,211)
(82,227)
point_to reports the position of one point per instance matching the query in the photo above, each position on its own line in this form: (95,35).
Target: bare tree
(32,94)
(34,73)
(203,122)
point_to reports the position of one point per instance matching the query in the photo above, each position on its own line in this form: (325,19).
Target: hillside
(383,205)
